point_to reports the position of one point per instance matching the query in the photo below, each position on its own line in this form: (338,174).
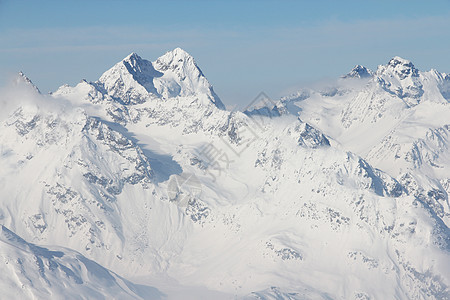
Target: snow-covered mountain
(397,119)
(359,72)
(342,193)
(135,80)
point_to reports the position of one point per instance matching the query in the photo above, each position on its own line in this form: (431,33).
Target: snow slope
(146,174)
(30,271)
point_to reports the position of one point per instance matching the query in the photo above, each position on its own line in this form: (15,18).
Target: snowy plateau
(142,185)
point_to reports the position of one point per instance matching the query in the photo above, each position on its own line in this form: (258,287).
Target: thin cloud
(247,61)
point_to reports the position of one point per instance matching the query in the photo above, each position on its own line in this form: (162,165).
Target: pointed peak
(133,56)
(179,52)
(133,59)
(175,56)
(178,60)
(136,66)
(21,77)
(359,72)
(130,80)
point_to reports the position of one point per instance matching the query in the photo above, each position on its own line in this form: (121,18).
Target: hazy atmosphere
(225,150)
(243,47)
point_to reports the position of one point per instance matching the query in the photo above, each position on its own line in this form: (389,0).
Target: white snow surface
(142,186)
(30,271)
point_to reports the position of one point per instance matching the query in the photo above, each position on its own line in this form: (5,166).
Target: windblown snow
(142,186)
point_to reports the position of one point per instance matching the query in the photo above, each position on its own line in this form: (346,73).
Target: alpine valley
(142,185)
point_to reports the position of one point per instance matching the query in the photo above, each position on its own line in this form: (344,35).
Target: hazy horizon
(242,48)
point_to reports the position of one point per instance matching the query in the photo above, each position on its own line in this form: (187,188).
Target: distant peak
(23,78)
(135,79)
(179,52)
(137,65)
(399,60)
(402,67)
(178,60)
(175,56)
(359,72)
(132,57)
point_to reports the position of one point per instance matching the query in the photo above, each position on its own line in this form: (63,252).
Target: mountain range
(142,185)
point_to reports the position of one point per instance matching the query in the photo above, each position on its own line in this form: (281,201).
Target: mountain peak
(136,64)
(399,60)
(135,80)
(131,79)
(176,59)
(359,72)
(402,67)
(133,56)
(22,78)
(179,52)
(186,78)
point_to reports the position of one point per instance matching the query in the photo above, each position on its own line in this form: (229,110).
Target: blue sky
(243,47)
